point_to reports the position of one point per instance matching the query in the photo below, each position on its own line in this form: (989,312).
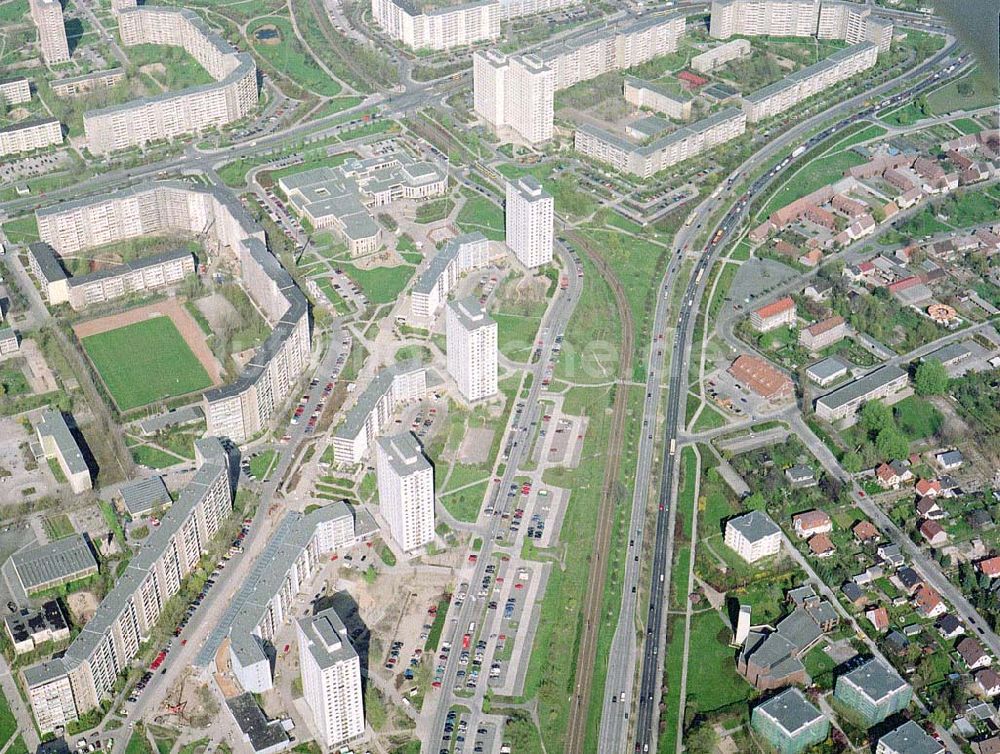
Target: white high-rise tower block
(405,489)
(48,17)
(529,216)
(331,677)
(471,348)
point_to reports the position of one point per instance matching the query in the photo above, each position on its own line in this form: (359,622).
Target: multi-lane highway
(944,65)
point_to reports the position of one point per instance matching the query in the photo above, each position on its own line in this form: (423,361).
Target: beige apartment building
(516,8)
(422,25)
(708,61)
(529,218)
(645,160)
(64,688)
(243,408)
(48,18)
(514,94)
(231,97)
(89,82)
(59,445)
(29,135)
(803,84)
(15,91)
(645,94)
(405,490)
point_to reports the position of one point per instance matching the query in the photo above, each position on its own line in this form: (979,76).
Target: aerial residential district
(499,376)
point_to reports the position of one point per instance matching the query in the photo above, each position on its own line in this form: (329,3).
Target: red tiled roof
(821,544)
(990,566)
(865,530)
(780,306)
(825,325)
(760,376)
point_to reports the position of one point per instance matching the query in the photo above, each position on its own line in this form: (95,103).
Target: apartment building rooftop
(790,710)
(862,386)
(470,313)
(662,142)
(428,279)
(328,640)
(794,79)
(22,124)
(875,679)
(404,453)
(53,424)
(357,416)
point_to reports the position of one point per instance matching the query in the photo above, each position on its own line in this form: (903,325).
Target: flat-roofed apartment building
(48,18)
(471,345)
(529,220)
(59,444)
(789,723)
(710,60)
(844,402)
(232,96)
(331,677)
(64,688)
(41,567)
(342,198)
(243,408)
(514,95)
(76,86)
(516,8)
(874,691)
(435,25)
(15,91)
(457,256)
(405,489)
(826,19)
(143,274)
(647,94)
(646,159)
(293,556)
(28,135)
(372,412)
(809,81)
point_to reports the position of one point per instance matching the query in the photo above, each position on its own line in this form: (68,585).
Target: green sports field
(145,362)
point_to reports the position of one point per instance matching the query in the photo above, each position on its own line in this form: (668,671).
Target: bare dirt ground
(82,606)
(475,446)
(217,310)
(172,308)
(37,370)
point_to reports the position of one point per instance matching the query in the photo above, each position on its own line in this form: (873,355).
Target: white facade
(457,256)
(753,536)
(514,94)
(48,18)
(471,348)
(405,490)
(529,221)
(15,91)
(30,134)
(441,28)
(712,59)
(331,678)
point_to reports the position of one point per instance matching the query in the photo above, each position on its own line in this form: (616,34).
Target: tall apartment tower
(48,17)
(529,218)
(331,677)
(514,94)
(472,348)
(405,489)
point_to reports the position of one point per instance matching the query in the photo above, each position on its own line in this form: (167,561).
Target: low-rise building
(733,50)
(824,333)
(753,536)
(76,86)
(761,378)
(873,691)
(934,533)
(844,402)
(60,445)
(908,738)
(865,532)
(812,522)
(29,629)
(973,654)
(879,618)
(15,91)
(143,496)
(826,372)
(674,103)
(774,315)
(789,723)
(928,602)
(988,681)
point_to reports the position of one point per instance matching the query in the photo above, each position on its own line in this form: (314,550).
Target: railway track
(586,657)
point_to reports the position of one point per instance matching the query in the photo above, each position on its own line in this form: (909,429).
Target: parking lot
(723,390)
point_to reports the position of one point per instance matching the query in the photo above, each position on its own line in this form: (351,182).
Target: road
(646,723)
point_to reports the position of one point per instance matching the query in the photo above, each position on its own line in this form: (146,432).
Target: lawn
(138,744)
(382,285)
(708,419)
(967,126)
(58,526)
(431,212)
(23,230)
(145,362)
(465,504)
(8,725)
(917,418)
(516,334)
(153,458)
(483,215)
(816,174)
(982,93)
(261,464)
(712,679)
(290,58)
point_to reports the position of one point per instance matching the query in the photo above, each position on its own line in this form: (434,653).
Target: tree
(891,443)
(852,462)
(931,378)
(756,502)
(875,417)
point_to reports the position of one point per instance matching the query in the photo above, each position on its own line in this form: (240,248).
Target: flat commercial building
(232,96)
(137,276)
(827,371)
(789,723)
(425,25)
(529,219)
(471,347)
(645,160)
(29,135)
(15,91)
(811,80)
(342,198)
(826,19)
(243,408)
(646,94)
(459,255)
(29,629)
(48,18)
(60,445)
(405,489)
(76,86)
(874,691)
(514,95)
(144,496)
(331,677)
(845,401)
(717,56)
(42,567)
(64,688)
(372,412)
(296,552)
